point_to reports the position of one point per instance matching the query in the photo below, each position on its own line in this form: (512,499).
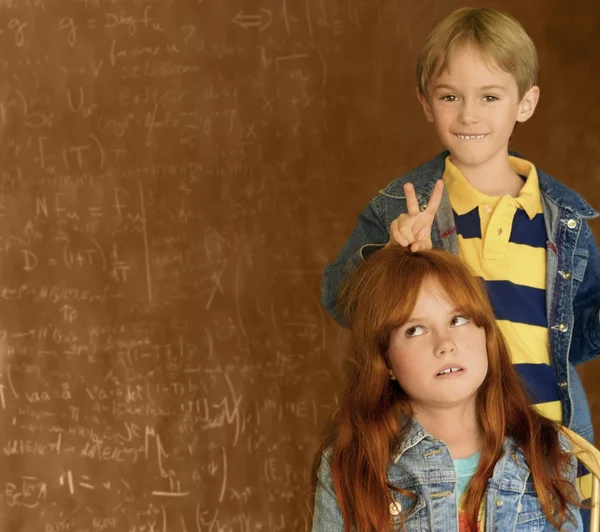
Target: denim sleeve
(327,516)
(569,526)
(575,511)
(369,235)
(571,476)
(585,344)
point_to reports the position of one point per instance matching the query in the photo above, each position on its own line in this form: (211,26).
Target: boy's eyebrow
(484,88)
(443,86)
(495,87)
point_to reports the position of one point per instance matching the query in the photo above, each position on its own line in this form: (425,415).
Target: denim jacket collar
(413,434)
(424,178)
(512,468)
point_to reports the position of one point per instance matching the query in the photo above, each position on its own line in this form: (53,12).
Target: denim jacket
(423,466)
(572,274)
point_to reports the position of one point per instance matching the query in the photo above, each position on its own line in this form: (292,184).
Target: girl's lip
(450,366)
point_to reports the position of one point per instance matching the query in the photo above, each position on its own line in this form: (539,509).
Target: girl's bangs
(468,297)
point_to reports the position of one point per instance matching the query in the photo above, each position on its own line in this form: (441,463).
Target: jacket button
(571,224)
(520,508)
(499,503)
(395,508)
(563,384)
(565,275)
(423,207)
(563,327)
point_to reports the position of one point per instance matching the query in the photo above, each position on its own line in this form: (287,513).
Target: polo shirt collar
(464,197)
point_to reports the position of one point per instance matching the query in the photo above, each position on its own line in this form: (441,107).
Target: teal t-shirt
(465,469)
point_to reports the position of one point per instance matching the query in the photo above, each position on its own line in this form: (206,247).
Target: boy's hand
(414,228)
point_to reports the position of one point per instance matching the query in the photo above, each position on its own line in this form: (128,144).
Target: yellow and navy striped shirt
(503,241)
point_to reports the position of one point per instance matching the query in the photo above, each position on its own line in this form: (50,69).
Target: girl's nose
(445,347)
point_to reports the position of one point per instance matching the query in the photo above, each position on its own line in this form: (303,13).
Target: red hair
(379,297)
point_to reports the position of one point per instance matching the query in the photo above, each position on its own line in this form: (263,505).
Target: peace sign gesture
(414,228)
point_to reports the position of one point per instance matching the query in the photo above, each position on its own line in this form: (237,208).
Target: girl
(434,431)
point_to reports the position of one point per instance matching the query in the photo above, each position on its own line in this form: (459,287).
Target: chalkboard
(174,176)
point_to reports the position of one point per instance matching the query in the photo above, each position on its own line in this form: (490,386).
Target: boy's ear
(528,104)
(426,107)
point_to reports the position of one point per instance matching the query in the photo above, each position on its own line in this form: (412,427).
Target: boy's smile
(474,106)
(471,136)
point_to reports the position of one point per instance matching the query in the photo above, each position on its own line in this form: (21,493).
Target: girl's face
(438,356)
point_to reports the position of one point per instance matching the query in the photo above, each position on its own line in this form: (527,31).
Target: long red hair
(377,298)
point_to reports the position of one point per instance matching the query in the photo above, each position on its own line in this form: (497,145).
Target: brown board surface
(174,175)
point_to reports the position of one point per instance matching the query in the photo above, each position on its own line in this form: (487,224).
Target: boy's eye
(490,98)
(417,330)
(457,321)
(449,98)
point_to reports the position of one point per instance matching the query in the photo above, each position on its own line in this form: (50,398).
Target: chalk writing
(166,208)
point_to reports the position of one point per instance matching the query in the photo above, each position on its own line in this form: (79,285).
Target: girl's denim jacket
(572,273)
(423,466)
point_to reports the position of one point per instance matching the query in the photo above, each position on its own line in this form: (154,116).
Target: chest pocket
(579,264)
(580,260)
(408,510)
(530,516)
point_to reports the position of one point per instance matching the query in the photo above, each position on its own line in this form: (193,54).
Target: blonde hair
(499,36)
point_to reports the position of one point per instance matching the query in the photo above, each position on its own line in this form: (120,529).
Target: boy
(525,234)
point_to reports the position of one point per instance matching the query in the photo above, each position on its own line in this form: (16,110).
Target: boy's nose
(468,113)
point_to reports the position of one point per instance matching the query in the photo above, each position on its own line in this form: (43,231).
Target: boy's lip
(482,135)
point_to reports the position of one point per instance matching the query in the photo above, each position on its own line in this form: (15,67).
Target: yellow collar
(464,197)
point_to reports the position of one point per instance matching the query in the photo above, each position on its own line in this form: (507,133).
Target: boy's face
(474,106)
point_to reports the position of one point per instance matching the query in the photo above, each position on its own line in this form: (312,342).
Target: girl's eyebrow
(414,319)
(421,319)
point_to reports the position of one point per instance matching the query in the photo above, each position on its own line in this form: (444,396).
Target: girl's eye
(417,330)
(457,321)
(490,98)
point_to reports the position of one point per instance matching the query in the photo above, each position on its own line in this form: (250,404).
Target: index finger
(411,200)
(436,197)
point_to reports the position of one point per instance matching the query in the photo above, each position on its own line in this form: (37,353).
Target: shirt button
(395,508)
(571,224)
(499,230)
(488,208)
(563,384)
(499,503)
